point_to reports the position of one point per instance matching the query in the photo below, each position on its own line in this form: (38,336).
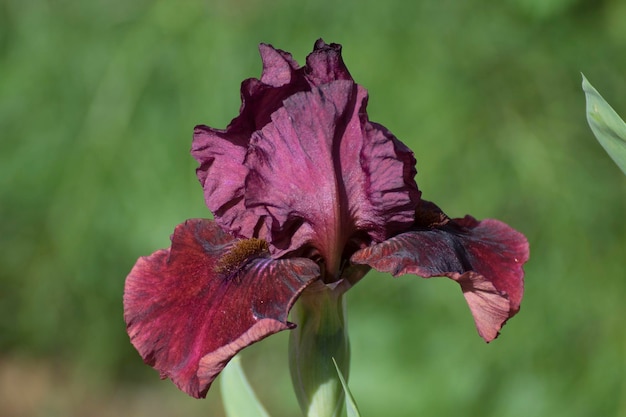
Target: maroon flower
(304,189)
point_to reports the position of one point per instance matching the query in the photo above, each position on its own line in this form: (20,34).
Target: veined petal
(369,171)
(321,172)
(325,64)
(485,258)
(188,314)
(279,67)
(221,153)
(222,172)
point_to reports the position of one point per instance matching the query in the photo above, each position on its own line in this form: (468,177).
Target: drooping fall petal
(188,313)
(484,257)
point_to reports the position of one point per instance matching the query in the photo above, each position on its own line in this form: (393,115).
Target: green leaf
(237,394)
(607,126)
(351,408)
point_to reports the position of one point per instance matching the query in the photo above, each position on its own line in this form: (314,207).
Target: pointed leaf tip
(351,408)
(606,125)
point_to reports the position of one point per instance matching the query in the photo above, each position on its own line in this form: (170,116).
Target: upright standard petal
(220,153)
(485,258)
(321,174)
(189,309)
(360,173)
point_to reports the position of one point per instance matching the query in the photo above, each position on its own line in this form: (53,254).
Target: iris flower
(306,192)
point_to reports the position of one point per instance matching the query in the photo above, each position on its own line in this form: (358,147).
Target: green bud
(320,336)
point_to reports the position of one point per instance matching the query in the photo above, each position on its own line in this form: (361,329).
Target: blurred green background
(98,100)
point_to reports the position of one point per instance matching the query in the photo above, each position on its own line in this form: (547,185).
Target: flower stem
(320,336)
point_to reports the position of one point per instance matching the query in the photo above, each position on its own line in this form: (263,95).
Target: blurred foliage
(97,104)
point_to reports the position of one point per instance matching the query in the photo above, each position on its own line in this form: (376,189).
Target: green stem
(320,336)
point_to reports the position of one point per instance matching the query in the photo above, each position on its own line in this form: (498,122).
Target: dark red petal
(279,67)
(222,171)
(220,152)
(187,320)
(325,64)
(389,167)
(321,172)
(485,258)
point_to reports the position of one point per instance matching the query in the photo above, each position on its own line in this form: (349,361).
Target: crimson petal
(320,172)
(484,257)
(221,152)
(187,319)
